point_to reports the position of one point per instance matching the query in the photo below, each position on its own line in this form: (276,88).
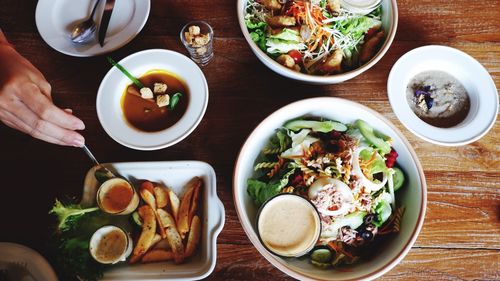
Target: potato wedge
(163,245)
(166,219)
(194,237)
(183,215)
(175,241)
(173,237)
(148,185)
(195,202)
(157,255)
(174,202)
(157,238)
(147,234)
(161,196)
(147,194)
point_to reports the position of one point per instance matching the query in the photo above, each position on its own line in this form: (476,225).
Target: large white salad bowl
(413,195)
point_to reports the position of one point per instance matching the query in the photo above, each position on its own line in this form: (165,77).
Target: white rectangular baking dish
(173,174)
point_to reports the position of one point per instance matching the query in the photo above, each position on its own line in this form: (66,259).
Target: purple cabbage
(425,90)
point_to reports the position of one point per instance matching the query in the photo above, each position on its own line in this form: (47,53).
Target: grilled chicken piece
(271,4)
(370,47)
(274,31)
(281,21)
(288,61)
(333,6)
(332,64)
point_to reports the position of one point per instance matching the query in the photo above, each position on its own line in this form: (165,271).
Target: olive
(368,219)
(321,255)
(367,235)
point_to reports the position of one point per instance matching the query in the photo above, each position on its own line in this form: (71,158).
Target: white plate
(24,264)
(175,175)
(413,196)
(114,83)
(55,19)
(473,76)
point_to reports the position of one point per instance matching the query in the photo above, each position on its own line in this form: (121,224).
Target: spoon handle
(93,10)
(90,155)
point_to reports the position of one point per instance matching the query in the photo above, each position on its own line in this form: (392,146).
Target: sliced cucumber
(367,132)
(317,126)
(321,255)
(136,218)
(398,178)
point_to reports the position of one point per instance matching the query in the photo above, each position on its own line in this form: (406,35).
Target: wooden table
(461,236)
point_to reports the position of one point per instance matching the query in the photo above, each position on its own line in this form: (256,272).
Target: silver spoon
(102,173)
(84,30)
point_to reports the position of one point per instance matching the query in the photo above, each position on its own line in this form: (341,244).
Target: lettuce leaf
(284,42)
(257,32)
(260,191)
(287,35)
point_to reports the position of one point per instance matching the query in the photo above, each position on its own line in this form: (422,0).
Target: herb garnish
(124,71)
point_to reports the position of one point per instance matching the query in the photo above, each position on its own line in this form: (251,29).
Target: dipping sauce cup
(110,244)
(117,196)
(288,225)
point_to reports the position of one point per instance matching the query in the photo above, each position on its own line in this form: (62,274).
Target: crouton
(146,93)
(281,21)
(160,88)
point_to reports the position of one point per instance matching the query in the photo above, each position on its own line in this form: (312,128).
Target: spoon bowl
(82,32)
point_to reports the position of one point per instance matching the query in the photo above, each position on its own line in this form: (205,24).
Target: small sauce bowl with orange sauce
(117,196)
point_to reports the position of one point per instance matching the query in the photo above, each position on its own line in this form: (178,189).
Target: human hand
(26,102)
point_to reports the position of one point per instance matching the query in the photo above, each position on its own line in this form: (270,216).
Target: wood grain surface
(461,235)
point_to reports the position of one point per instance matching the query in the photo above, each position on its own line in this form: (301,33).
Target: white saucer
(473,76)
(24,264)
(113,85)
(55,18)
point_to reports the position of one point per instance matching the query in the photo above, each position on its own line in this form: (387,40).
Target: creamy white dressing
(289,225)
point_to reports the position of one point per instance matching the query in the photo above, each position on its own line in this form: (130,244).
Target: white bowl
(173,174)
(413,196)
(473,76)
(389,24)
(114,83)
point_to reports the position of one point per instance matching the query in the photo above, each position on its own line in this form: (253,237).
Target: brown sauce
(145,115)
(111,247)
(117,198)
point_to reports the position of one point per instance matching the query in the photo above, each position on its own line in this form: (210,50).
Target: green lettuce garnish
(261,191)
(284,42)
(257,32)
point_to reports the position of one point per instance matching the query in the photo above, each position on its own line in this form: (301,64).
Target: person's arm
(26,101)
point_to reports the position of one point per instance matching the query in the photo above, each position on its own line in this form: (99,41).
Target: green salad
(319,37)
(347,171)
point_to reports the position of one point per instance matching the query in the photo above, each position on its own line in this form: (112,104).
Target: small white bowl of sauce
(110,244)
(288,225)
(117,196)
(443,95)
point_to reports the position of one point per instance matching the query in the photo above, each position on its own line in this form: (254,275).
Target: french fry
(194,202)
(183,215)
(194,237)
(147,234)
(174,202)
(161,196)
(173,237)
(157,255)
